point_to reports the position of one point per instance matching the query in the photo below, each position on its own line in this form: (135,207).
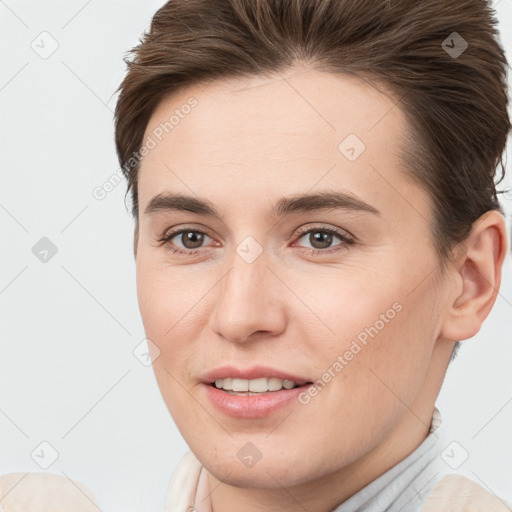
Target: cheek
(163,299)
(355,310)
(397,350)
(173,316)
(383,339)
(371,375)
(165,294)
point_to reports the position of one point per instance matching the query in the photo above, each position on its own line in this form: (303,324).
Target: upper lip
(253,372)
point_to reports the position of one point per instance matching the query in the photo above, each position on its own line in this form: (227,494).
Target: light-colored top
(406,486)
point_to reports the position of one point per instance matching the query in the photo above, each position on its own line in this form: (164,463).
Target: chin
(267,473)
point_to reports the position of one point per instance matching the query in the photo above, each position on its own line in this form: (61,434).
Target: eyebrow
(298,203)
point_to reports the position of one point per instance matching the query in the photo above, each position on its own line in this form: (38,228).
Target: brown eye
(321,239)
(191,239)
(186,241)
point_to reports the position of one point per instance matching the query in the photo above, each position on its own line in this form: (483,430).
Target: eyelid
(345,237)
(184,227)
(343,233)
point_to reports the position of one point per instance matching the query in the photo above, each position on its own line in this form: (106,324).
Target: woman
(317,227)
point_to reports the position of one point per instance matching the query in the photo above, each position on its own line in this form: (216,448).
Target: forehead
(283,133)
(298,102)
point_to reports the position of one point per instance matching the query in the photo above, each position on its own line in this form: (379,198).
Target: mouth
(263,394)
(253,392)
(255,387)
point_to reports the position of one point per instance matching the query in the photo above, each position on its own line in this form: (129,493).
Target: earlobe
(478,277)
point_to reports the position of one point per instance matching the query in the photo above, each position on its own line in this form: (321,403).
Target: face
(339,291)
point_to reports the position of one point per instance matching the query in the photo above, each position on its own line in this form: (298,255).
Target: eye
(191,240)
(321,239)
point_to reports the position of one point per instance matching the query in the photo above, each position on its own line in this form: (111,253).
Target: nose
(250,302)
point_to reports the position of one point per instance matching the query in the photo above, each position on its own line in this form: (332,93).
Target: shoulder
(456,493)
(40,492)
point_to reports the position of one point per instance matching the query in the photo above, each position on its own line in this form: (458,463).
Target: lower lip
(252,406)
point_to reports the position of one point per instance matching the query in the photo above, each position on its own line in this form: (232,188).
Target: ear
(477,277)
(136,239)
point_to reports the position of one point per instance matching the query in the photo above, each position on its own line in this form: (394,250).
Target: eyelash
(345,239)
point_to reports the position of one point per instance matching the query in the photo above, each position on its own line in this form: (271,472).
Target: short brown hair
(456,103)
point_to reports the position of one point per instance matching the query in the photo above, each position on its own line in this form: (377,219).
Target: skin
(246,144)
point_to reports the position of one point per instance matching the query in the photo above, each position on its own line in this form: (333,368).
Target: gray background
(69,326)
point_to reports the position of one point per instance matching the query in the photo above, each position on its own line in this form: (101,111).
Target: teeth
(261,385)
(240,385)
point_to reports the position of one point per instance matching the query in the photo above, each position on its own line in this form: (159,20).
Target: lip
(254,372)
(252,406)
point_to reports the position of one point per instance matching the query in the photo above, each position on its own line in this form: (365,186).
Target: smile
(253,386)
